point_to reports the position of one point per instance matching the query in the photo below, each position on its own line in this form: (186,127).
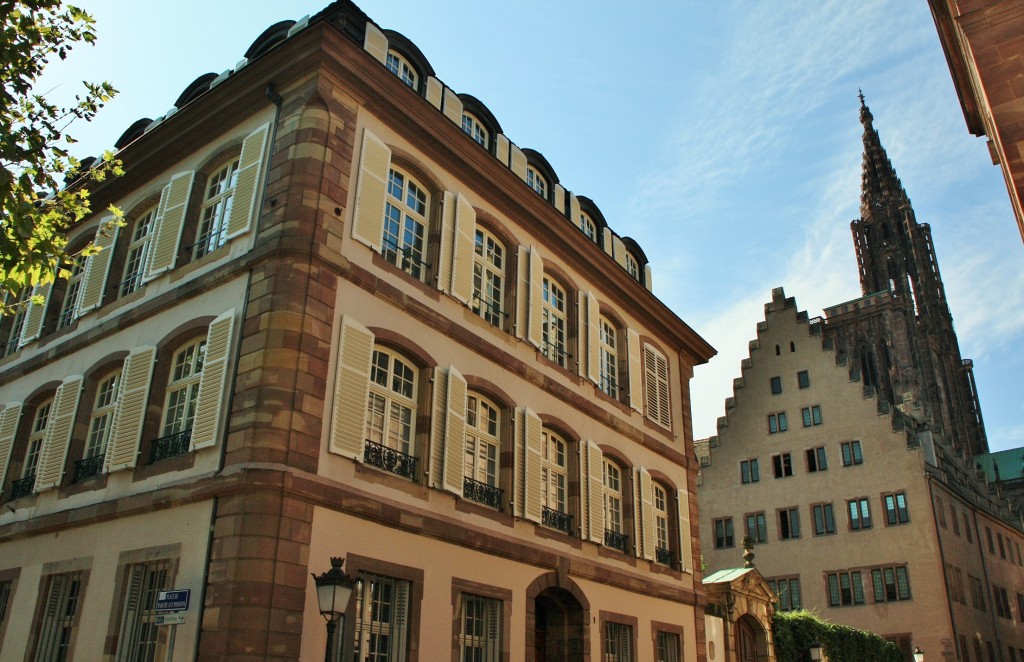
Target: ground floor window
(382,619)
(668,647)
(60,617)
(140,637)
(480,636)
(618,640)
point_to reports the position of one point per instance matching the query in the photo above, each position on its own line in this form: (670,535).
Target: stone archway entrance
(560,627)
(751,641)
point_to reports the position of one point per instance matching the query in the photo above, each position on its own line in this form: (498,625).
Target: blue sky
(722,136)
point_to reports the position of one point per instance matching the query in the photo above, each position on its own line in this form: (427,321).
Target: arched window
(391,413)
(537,181)
(489,277)
(554,471)
(33,449)
(632,267)
(588,226)
(554,321)
(483,451)
(476,129)
(401,67)
(216,209)
(138,249)
(182,389)
(663,549)
(72,291)
(99,426)
(405,224)
(608,343)
(614,516)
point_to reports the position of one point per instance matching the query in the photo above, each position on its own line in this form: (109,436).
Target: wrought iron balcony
(22,487)
(88,468)
(389,459)
(616,540)
(556,520)
(488,495)
(663,556)
(170,446)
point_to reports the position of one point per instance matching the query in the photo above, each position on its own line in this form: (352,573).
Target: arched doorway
(751,642)
(560,627)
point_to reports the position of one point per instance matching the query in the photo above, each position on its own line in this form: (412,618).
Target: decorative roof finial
(748,552)
(865,113)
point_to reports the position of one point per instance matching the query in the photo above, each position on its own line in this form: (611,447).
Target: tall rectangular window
(723,533)
(845,589)
(803,380)
(140,637)
(860,514)
(789,523)
(811,416)
(757,528)
(896,509)
(480,638)
(749,471)
(977,593)
(382,619)
(782,465)
(60,616)
(5,598)
(618,642)
(891,583)
(824,519)
(816,459)
(669,649)
(788,590)
(851,453)
(1002,602)
(776,383)
(777,422)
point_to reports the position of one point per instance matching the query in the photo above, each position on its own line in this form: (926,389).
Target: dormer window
(475,129)
(632,267)
(401,67)
(588,227)
(537,182)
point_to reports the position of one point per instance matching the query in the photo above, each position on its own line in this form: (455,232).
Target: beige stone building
(347,316)
(846,455)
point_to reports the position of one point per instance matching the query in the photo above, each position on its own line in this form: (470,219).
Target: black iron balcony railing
(389,459)
(88,468)
(170,446)
(663,556)
(556,520)
(616,540)
(488,495)
(555,352)
(22,487)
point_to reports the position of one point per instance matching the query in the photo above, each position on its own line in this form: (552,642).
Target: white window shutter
(36,314)
(453,106)
(375,43)
(371,191)
(464,249)
(593,327)
(438,421)
(619,250)
(455,432)
(130,412)
(351,389)
(9,418)
(646,517)
(536,290)
(530,429)
(97,267)
(574,210)
(248,183)
(522,324)
(636,366)
(648,277)
(685,539)
(595,493)
(211,396)
(168,225)
(446,248)
(517,162)
(50,469)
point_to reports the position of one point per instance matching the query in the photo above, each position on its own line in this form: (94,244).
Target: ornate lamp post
(333,590)
(918,654)
(815,652)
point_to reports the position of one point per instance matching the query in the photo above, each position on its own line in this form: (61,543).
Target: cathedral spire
(880,187)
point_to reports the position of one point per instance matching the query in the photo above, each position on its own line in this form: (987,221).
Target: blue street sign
(173,600)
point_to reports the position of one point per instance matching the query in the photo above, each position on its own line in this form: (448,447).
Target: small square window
(803,380)
(816,459)
(777,423)
(757,528)
(782,465)
(811,416)
(851,453)
(749,471)
(824,519)
(789,523)
(723,533)
(860,514)
(896,509)
(776,385)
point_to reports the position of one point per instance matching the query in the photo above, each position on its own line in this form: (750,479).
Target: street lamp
(918,654)
(815,652)
(333,590)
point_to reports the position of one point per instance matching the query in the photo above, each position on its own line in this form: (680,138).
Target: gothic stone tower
(899,336)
